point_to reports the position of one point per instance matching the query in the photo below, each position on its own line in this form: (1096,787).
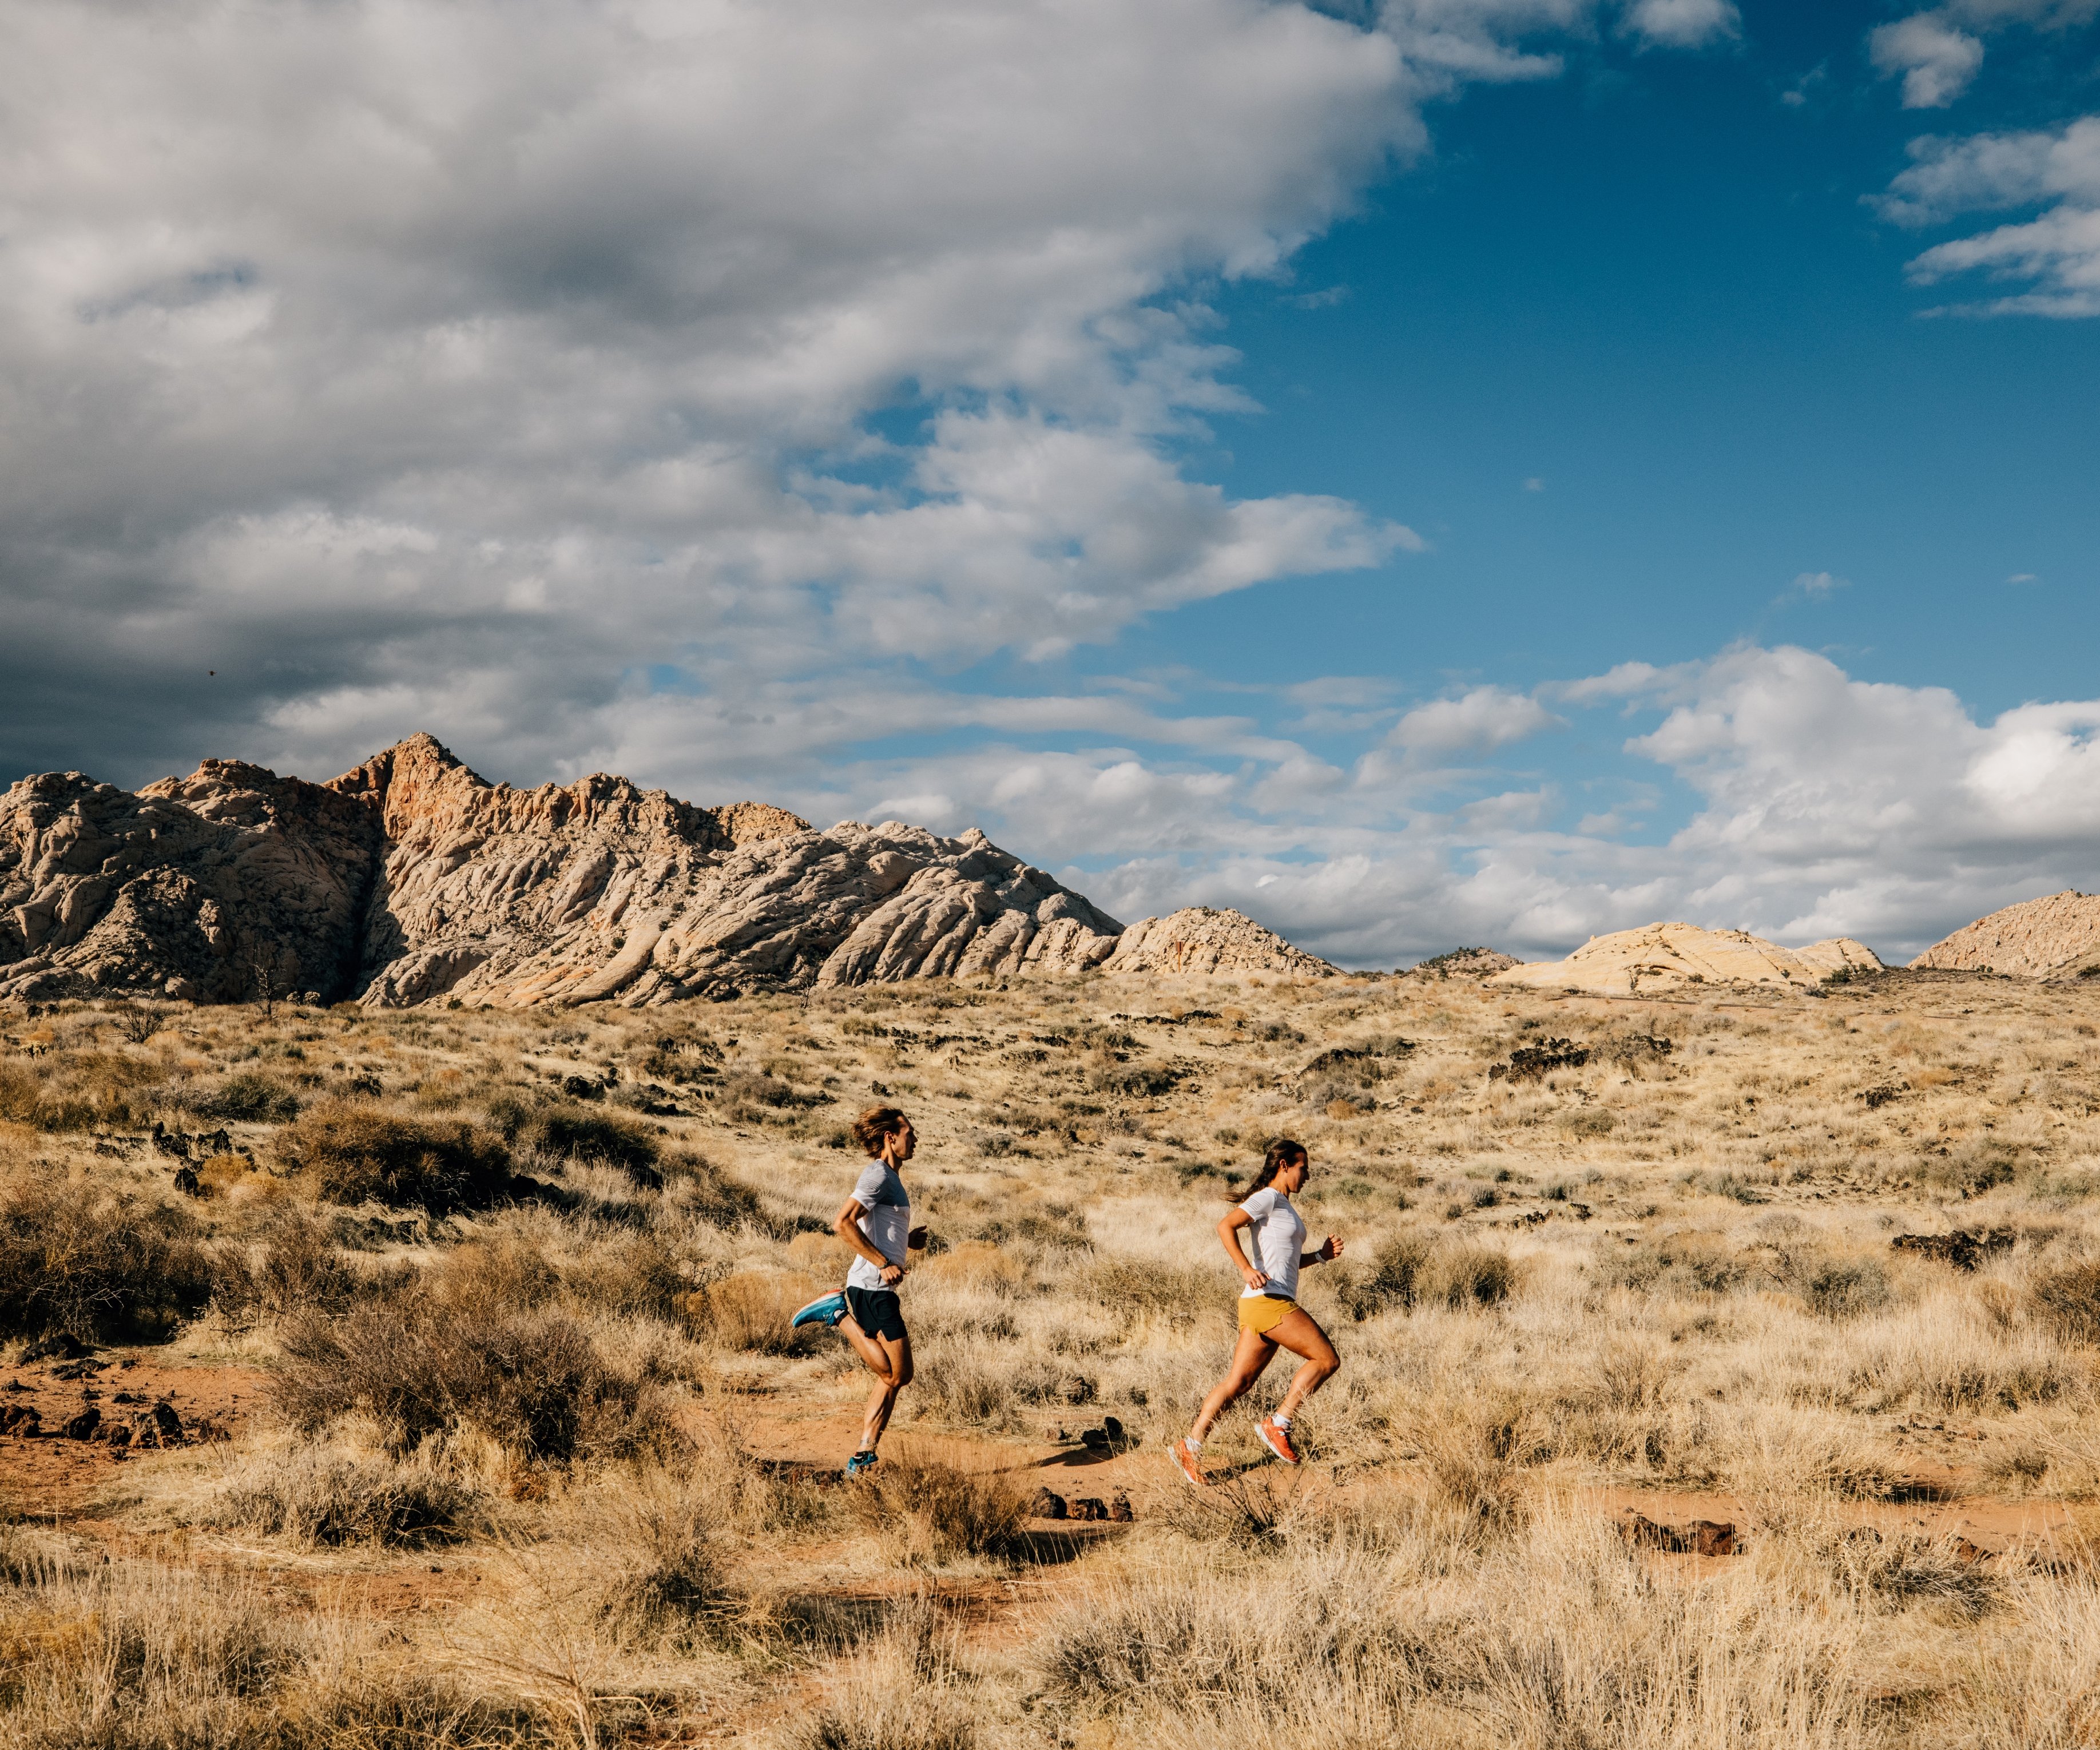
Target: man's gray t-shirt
(888,1222)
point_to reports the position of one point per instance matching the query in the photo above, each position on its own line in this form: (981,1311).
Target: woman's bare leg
(1300,1334)
(1250,1355)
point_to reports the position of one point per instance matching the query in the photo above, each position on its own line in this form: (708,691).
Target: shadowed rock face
(411,878)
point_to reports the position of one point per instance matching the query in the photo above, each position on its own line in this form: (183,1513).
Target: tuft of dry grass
(352,1153)
(98,1264)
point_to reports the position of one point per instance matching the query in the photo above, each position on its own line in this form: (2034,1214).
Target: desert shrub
(1391,1282)
(1131,1287)
(1834,1285)
(1685,1264)
(717,1197)
(354,1152)
(2070,1299)
(1135,1081)
(633,1275)
(579,1133)
(318,1500)
(1974,1166)
(1413,1270)
(1054,1225)
(750,1098)
(247,1096)
(491,1278)
(532,1381)
(940,1511)
(298,1268)
(668,1571)
(750,1309)
(98,1264)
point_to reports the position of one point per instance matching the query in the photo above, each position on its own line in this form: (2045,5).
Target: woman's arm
(848,1227)
(1236,1219)
(1330,1248)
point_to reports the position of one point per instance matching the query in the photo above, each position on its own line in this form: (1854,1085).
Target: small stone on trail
(83,1425)
(1094,1507)
(1119,1508)
(1047,1506)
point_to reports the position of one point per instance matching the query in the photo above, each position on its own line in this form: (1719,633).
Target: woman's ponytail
(1280,1153)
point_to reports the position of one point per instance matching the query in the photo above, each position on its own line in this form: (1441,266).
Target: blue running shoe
(861,1463)
(827,1311)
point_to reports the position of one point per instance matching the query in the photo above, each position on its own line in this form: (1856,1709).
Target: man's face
(903,1140)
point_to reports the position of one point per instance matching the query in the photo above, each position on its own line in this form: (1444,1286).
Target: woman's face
(1289,1178)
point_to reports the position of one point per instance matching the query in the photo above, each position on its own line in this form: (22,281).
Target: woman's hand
(1254,1278)
(1330,1249)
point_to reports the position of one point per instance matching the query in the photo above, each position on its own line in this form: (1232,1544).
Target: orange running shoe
(1277,1439)
(1190,1468)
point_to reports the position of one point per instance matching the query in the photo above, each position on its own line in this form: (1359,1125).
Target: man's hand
(892,1275)
(916,1241)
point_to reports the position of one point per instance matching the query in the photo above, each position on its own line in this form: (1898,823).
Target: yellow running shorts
(1262,1313)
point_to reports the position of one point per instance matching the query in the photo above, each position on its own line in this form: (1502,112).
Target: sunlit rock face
(411,879)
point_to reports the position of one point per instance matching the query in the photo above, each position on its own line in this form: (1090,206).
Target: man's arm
(848,1227)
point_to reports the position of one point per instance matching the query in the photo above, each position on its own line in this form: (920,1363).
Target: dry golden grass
(522,1284)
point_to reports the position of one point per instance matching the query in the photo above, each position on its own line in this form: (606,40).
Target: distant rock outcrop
(1200,939)
(1661,957)
(1464,962)
(2055,937)
(410,879)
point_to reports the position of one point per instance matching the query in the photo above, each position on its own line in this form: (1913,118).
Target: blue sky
(1440,471)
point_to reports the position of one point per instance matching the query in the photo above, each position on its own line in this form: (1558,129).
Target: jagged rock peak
(411,879)
(421,790)
(2055,937)
(1658,957)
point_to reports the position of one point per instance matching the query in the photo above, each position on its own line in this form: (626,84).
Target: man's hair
(1278,1155)
(876,1123)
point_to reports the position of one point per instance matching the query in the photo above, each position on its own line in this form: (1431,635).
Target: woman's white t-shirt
(1279,1240)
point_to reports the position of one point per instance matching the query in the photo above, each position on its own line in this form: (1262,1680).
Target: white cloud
(2059,251)
(502,369)
(1818,582)
(1937,60)
(1939,52)
(1683,24)
(1486,718)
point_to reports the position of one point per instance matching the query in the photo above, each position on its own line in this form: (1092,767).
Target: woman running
(876,1221)
(1270,1317)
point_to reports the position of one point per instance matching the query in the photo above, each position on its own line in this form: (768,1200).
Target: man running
(876,1221)
(1269,1315)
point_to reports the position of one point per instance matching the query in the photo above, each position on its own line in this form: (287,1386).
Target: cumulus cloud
(1486,718)
(1939,52)
(1683,24)
(539,374)
(1825,805)
(1936,59)
(2057,251)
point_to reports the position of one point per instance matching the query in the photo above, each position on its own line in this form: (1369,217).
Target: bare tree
(272,970)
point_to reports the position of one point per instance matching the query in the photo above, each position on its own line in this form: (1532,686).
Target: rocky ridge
(2056,937)
(411,879)
(1661,957)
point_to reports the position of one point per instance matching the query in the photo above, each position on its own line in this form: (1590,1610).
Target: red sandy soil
(50,1476)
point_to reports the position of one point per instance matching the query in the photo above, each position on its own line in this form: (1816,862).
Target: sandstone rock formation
(1464,962)
(1200,939)
(2055,937)
(1658,958)
(411,879)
